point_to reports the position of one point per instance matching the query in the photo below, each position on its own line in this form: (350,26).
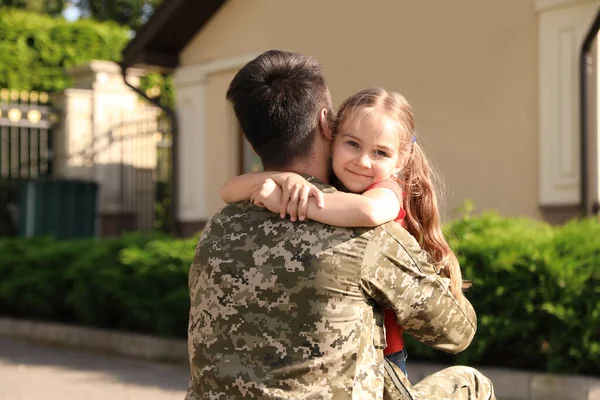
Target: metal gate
(26,153)
(133,163)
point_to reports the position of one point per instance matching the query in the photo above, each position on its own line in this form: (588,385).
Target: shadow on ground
(168,377)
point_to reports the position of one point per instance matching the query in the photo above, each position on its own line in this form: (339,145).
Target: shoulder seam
(403,248)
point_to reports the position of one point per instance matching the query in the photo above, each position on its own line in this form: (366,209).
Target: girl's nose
(365,161)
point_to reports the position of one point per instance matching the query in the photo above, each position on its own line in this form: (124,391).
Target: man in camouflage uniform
(283,310)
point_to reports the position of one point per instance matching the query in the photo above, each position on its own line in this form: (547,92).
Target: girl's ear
(324,123)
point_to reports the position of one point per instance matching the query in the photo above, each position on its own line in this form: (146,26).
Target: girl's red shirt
(393,331)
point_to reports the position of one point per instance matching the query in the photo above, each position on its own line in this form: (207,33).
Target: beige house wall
(468,67)
(223,137)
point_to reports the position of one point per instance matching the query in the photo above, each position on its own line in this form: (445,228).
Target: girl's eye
(352,143)
(381,153)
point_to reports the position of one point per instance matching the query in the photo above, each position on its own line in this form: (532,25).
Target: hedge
(36,49)
(135,283)
(536,292)
(535,289)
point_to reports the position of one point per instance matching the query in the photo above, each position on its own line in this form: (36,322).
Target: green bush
(135,283)
(574,344)
(535,289)
(36,49)
(32,279)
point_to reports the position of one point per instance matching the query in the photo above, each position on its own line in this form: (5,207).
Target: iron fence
(133,161)
(25,134)
(26,120)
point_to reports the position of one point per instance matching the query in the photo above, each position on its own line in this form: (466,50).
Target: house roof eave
(157,47)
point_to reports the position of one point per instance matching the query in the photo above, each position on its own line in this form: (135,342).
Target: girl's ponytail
(423,217)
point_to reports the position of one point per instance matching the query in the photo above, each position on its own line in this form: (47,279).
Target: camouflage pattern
(283,310)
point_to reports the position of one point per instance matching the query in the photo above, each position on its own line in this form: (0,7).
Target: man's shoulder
(245,217)
(249,213)
(234,211)
(393,231)
(324,187)
(231,217)
(392,236)
(251,221)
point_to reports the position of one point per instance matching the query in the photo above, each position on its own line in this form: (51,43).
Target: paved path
(29,371)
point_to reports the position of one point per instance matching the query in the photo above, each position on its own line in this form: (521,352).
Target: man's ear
(325,118)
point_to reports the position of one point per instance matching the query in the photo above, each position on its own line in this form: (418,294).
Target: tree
(52,7)
(133,13)
(37,49)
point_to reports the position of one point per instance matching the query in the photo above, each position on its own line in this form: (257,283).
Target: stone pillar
(96,114)
(73,134)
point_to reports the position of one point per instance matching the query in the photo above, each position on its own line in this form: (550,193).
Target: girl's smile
(360,175)
(365,151)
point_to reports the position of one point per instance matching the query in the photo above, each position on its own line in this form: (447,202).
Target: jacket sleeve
(397,274)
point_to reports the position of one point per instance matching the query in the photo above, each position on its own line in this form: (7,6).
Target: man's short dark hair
(277,98)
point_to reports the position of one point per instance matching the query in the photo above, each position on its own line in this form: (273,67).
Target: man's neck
(309,167)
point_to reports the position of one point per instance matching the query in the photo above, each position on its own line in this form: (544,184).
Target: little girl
(375,157)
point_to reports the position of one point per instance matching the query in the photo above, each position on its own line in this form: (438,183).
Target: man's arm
(396,273)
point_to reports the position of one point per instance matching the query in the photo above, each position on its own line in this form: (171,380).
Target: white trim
(191,75)
(191,108)
(190,87)
(560,32)
(546,5)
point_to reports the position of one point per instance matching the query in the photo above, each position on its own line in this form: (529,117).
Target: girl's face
(365,151)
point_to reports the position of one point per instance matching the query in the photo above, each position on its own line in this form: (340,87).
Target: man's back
(278,310)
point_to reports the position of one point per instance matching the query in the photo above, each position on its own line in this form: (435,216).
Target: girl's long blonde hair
(420,203)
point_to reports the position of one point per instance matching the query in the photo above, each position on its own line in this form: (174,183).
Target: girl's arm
(241,187)
(373,207)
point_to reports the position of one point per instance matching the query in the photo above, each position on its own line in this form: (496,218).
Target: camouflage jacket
(283,310)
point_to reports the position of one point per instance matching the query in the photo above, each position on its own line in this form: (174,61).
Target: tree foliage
(38,49)
(52,7)
(132,13)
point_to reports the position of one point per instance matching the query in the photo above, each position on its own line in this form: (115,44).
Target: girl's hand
(295,193)
(267,195)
